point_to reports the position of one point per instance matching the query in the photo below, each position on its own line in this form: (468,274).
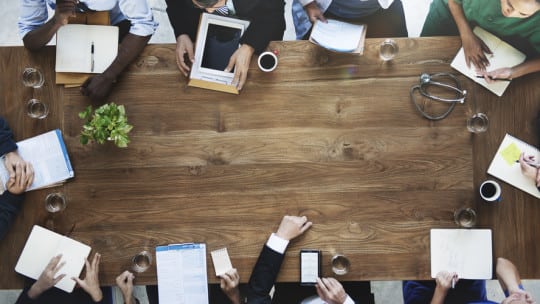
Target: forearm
(129,50)
(38,38)
(438,296)
(527,67)
(459,17)
(9,207)
(508,275)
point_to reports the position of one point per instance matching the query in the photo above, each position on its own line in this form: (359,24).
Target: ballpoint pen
(92,57)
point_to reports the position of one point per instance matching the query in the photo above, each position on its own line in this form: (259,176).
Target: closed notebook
(82,48)
(42,245)
(504,56)
(505,165)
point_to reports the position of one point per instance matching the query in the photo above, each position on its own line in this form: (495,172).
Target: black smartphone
(310,266)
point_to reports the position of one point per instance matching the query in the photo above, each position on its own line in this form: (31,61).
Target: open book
(339,36)
(505,165)
(504,56)
(181,273)
(468,252)
(42,245)
(82,48)
(48,155)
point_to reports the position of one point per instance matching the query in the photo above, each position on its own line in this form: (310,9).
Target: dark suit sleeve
(7,144)
(184,17)
(267,22)
(10,205)
(264,276)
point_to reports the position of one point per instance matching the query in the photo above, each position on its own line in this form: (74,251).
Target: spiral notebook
(505,165)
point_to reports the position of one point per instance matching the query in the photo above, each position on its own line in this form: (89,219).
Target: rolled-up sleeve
(138,12)
(33,15)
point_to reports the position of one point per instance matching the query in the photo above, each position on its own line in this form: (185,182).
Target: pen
(92,57)
(532,165)
(498,79)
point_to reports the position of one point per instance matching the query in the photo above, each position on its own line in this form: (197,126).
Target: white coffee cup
(490,191)
(268,61)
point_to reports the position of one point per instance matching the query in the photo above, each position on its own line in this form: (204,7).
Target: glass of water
(465,217)
(388,49)
(35,108)
(55,202)
(478,123)
(141,261)
(340,264)
(33,77)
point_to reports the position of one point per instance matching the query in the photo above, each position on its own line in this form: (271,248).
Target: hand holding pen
(446,280)
(529,168)
(502,74)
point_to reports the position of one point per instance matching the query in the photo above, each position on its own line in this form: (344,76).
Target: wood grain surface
(331,136)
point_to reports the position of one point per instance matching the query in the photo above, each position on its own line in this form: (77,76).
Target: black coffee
(268,61)
(488,190)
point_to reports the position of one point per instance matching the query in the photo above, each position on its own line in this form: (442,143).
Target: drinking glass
(55,202)
(478,123)
(340,264)
(35,108)
(388,50)
(141,261)
(465,217)
(32,77)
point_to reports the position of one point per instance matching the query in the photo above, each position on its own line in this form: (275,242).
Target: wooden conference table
(331,136)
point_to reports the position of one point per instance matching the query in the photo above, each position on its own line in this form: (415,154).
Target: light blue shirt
(34,14)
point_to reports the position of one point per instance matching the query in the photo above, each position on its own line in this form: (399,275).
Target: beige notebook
(82,48)
(504,55)
(42,245)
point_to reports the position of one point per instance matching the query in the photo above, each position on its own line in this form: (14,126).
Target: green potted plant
(106,123)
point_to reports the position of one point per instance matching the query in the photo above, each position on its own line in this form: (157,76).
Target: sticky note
(510,154)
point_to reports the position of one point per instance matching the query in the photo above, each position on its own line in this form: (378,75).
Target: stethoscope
(434,80)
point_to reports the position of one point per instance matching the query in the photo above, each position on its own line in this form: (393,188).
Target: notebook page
(337,35)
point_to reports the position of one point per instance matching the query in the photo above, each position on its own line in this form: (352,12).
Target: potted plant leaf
(106,123)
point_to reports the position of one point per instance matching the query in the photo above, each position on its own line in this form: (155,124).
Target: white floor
(386,292)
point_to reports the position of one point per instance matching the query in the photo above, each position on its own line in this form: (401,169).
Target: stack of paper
(42,245)
(181,273)
(48,155)
(339,36)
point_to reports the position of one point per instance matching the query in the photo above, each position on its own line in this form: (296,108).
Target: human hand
(64,9)
(229,284)
(97,87)
(444,279)
(125,283)
(47,278)
(475,51)
(292,226)
(90,283)
(528,169)
(520,296)
(502,73)
(314,12)
(21,173)
(184,45)
(331,291)
(240,60)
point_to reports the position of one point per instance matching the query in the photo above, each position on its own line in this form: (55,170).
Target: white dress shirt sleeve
(349,300)
(277,244)
(138,12)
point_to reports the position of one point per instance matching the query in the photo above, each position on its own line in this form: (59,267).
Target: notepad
(42,245)
(504,165)
(339,36)
(468,252)
(48,155)
(504,56)
(82,48)
(221,260)
(181,273)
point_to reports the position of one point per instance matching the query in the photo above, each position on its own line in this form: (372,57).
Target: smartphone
(310,266)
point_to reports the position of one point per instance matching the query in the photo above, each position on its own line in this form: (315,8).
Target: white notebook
(82,48)
(504,165)
(468,252)
(339,36)
(181,273)
(42,245)
(504,56)
(221,260)
(48,155)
